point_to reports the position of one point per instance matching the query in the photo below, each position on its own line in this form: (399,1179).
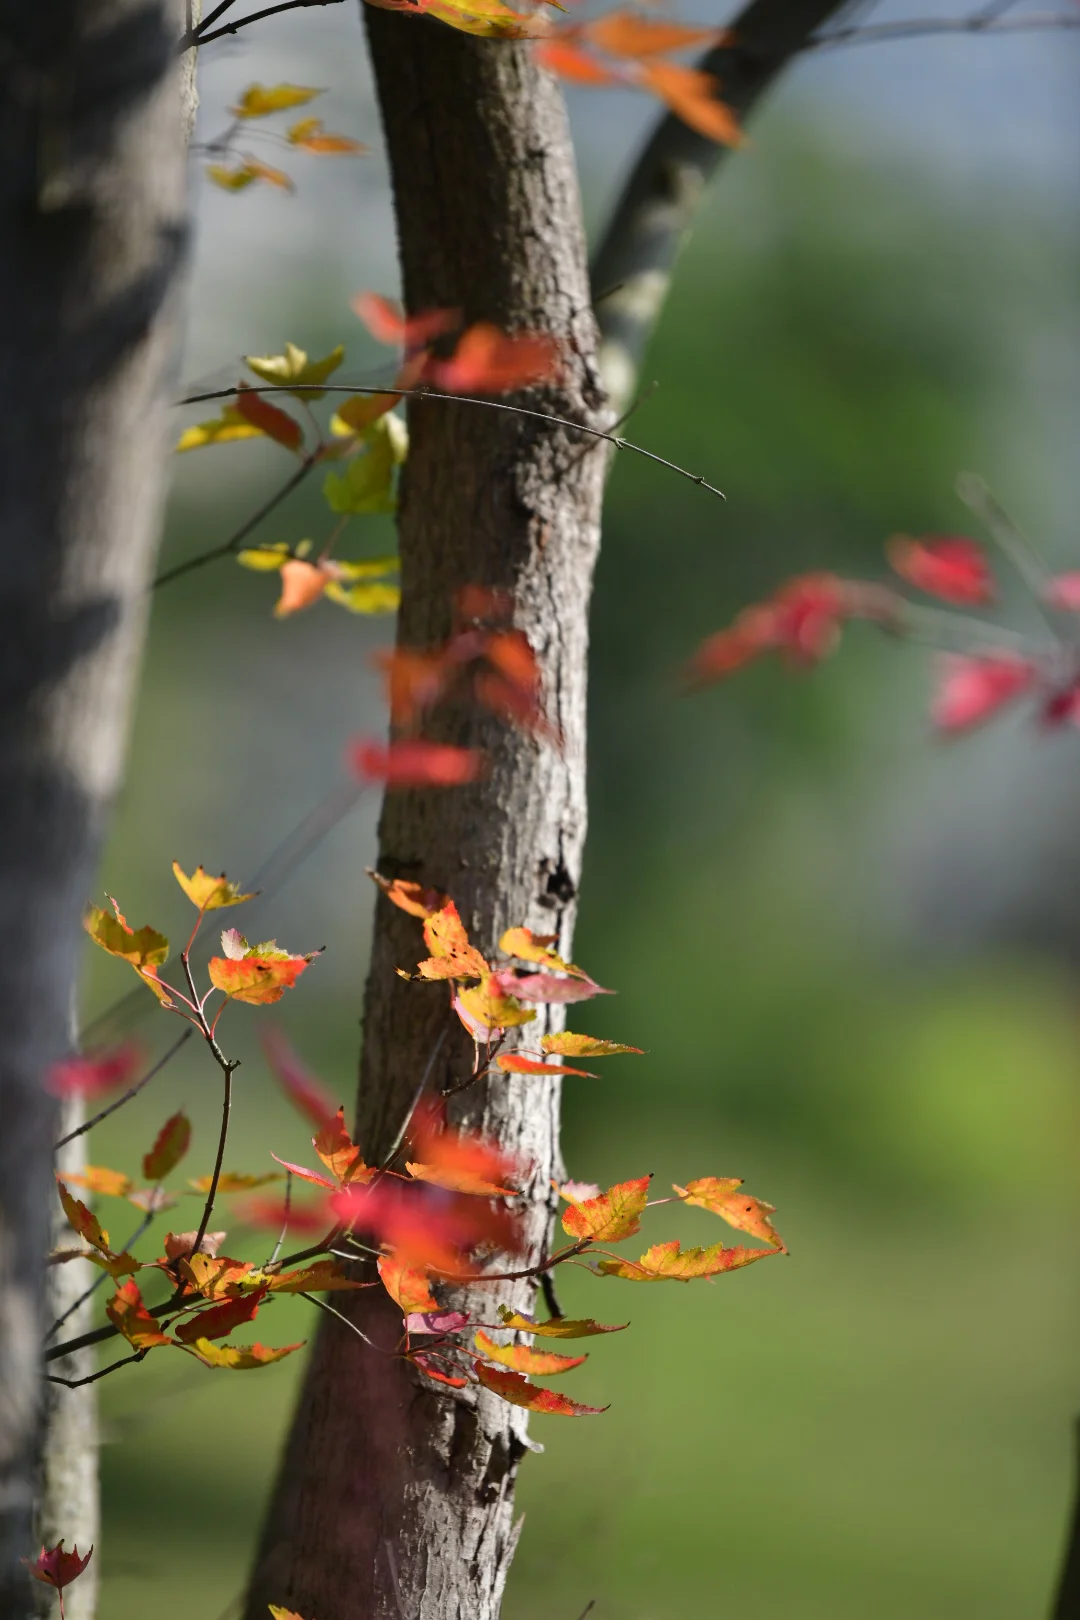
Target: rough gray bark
(652,220)
(92,242)
(393,1499)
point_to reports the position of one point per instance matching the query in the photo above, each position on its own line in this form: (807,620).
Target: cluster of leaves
(240,169)
(629,48)
(443,1217)
(984,667)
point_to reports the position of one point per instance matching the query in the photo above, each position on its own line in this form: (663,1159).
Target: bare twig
(200,36)
(128,1095)
(987,21)
(227,547)
(102,1372)
(279,1245)
(312,1299)
(389,1157)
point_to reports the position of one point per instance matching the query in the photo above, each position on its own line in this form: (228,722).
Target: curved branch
(980,22)
(654,215)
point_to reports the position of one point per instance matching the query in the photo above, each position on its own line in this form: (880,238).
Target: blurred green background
(839,942)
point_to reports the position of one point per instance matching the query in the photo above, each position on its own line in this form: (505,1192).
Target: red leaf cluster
(484,359)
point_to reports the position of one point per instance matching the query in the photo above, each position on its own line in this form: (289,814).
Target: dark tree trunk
(393,1499)
(92,239)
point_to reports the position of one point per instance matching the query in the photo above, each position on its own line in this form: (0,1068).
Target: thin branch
(421,1088)
(128,1095)
(226,1107)
(280,1244)
(312,1299)
(987,21)
(193,34)
(103,1372)
(463,399)
(232,544)
(199,36)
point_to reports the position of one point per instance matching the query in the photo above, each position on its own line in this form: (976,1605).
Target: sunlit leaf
(570,62)
(218,1321)
(257,974)
(667,1262)
(569,1045)
(721,1196)
(484,1007)
(310,136)
(367,483)
(129,1316)
(232,1181)
(691,95)
(209,893)
(512,1387)
(302,584)
(630,33)
(264,559)
(259,100)
(415,898)
(530,947)
(294,366)
(409,1288)
(354,416)
(522,1359)
(97,1179)
(324,1277)
(515,1063)
(223,429)
(614,1215)
(365,598)
(239,1357)
(452,955)
(245,173)
(82,1220)
(216,1276)
(339,1153)
(557,1327)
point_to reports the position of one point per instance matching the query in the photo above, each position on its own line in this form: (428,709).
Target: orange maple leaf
(721,1196)
(269,419)
(521,1358)
(614,1215)
(512,1387)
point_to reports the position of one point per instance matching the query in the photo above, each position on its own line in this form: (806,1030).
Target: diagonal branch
(656,211)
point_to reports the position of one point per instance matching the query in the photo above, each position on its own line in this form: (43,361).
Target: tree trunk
(394,1499)
(92,242)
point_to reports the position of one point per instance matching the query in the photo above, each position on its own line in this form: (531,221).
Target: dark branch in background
(128,1095)
(987,21)
(201,36)
(653,217)
(1067,1601)
(227,547)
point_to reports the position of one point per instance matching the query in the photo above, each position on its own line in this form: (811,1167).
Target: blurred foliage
(877,1426)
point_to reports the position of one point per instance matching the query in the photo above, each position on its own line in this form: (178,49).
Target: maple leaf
(354,416)
(302,584)
(172,1143)
(279,1613)
(426,1227)
(487,361)
(57,1568)
(530,947)
(461,1161)
(304,1090)
(212,1275)
(239,1357)
(218,1321)
(314,1176)
(667,1262)
(948,566)
(246,172)
(415,898)
(129,1317)
(144,948)
(324,1277)
(209,893)
(259,100)
(691,95)
(629,33)
(419,1323)
(223,429)
(557,1327)
(516,1063)
(90,1076)
(82,1220)
(569,61)
(338,1152)
(489,19)
(366,486)
(521,1358)
(512,1387)
(257,974)
(972,689)
(720,1195)
(486,1010)
(427,1363)
(545,987)
(614,1215)
(264,559)
(567,1044)
(408,1288)
(275,423)
(386,322)
(97,1179)
(180,1245)
(310,136)
(365,598)
(416,763)
(452,956)
(294,366)
(231,1181)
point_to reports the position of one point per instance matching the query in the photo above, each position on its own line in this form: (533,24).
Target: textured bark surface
(92,240)
(653,218)
(394,1499)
